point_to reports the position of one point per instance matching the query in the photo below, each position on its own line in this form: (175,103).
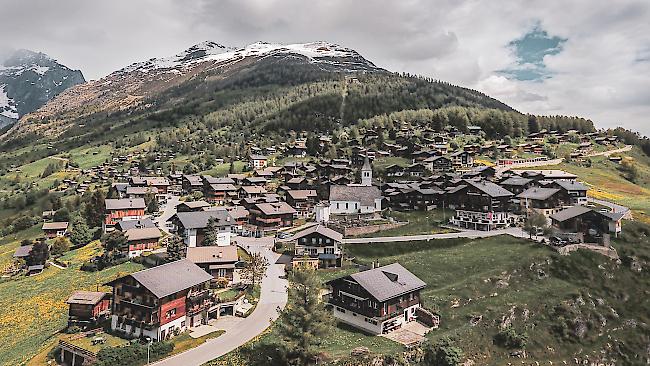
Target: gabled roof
(124,203)
(55,225)
(194,204)
(516,181)
(538,194)
(86,297)
(142,233)
(258,157)
(23,251)
(571,185)
(388,282)
(570,213)
(302,194)
(125,225)
(199,219)
(170,278)
(320,229)
(275,208)
(366,195)
(213,254)
(253,189)
(489,188)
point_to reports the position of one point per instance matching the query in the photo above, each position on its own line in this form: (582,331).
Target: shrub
(443,353)
(510,338)
(132,354)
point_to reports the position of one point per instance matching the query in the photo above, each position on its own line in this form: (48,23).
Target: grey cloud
(596,75)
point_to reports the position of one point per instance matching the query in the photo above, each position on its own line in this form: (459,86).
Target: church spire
(366,173)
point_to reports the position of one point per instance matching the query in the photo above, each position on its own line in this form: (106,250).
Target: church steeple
(366,173)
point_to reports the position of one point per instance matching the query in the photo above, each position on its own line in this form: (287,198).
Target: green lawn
(88,157)
(221,170)
(489,279)
(35,309)
(419,222)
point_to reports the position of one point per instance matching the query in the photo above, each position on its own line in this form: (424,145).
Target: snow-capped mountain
(315,52)
(30,79)
(141,82)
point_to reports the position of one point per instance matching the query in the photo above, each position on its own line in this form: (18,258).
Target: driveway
(471,234)
(273,297)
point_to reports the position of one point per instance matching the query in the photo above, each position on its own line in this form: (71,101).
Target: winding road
(273,297)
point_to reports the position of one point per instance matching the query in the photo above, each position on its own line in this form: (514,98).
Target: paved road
(516,232)
(610,152)
(500,169)
(168,212)
(613,206)
(273,297)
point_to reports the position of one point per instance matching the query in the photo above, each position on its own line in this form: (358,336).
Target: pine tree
(94,208)
(80,234)
(176,248)
(211,233)
(305,322)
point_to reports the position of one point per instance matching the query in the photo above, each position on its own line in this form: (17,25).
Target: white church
(356,199)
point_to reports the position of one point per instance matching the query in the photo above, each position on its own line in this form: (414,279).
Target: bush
(511,339)
(443,353)
(133,354)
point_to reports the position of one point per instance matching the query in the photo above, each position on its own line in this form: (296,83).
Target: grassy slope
(462,277)
(609,183)
(34,308)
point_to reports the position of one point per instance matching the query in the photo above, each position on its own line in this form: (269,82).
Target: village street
(168,211)
(273,297)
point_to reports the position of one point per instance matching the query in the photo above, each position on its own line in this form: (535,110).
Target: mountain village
(212,244)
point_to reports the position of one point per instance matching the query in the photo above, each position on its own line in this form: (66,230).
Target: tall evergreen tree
(176,248)
(305,322)
(211,233)
(94,208)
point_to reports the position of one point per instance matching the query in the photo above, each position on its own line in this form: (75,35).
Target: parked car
(557,241)
(282,235)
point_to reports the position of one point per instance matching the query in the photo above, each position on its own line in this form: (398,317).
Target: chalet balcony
(138,303)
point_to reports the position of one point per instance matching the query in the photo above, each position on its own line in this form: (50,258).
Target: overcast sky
(581,57)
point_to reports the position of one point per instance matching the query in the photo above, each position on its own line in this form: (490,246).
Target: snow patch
(211,51)
(7,105)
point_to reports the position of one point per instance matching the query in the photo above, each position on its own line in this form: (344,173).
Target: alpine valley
(444,227)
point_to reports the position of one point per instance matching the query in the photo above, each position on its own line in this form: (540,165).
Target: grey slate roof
(171,278)
(572,185)
(124,203)
(365,195)
(489,188)
(570,213)
(124,225)
(388,282)
(23,251)
(275,208)
(538,194)
(516,181)
(199,219)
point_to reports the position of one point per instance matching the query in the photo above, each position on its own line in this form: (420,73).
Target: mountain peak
(28,80)
(24,57)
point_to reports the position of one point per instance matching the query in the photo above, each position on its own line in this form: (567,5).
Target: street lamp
(148,339)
